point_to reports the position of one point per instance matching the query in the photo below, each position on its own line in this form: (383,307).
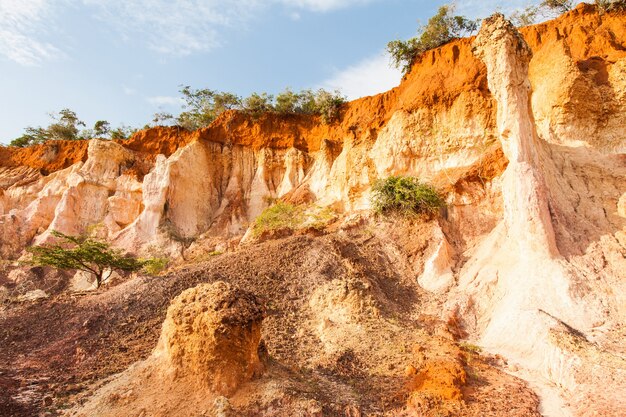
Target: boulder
(83,281)
(210,337)
(33,295)
(21,276)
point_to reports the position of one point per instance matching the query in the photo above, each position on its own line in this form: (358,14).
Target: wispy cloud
(21,27)
(323,5)
(368,77)
(183,27)
(164,101)
(172,27)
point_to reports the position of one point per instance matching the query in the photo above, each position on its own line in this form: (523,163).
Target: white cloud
(22,22)
(183,27)
(164,101)
(173,27)
(368,77)
(323,5)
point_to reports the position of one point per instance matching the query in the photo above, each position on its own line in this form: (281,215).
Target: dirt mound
(343,313)
(211,336)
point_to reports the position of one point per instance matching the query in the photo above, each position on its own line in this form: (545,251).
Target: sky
(124,60)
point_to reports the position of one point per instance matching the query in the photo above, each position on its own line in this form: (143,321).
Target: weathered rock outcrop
(208,349)
(517,282)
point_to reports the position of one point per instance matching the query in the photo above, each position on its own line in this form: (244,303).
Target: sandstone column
(505,53)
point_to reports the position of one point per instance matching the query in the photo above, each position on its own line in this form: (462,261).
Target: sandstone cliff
(524,132)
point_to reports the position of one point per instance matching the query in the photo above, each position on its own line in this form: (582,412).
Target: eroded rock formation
(533,290)
(524,132)
(208,348)
(211,337)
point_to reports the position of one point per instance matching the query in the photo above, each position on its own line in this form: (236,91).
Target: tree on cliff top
(66,125)
(440,29)
(85,254)
(203,106)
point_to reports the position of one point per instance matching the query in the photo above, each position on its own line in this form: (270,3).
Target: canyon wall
(525,133)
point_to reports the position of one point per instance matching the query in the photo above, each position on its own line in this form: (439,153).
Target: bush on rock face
(279,216)
(405,196)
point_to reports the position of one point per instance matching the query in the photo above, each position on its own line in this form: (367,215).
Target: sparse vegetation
(611,5)
(406,196)
(319,217)
(525,17)
(440,29)
(85,254)
(162,119)
(203,106)
(257,104)
(553,8)
(279,216)
(292,102)
(123,132)
(286,216)
(471,348)
(66,126)
(328,104)
(154,266)
(559,6)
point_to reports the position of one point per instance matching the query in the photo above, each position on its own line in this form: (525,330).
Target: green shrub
(257,104)
(526,17)
(154,266)
(559,6)
(406,196)
(611,5)
(202,106)
(279,216)
(288,102)
(285,216)
(471,348)
(123,132)
(319,217)
(65,126)
(440,29)
(328,104)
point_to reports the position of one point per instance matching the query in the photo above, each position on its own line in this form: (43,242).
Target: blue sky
(124,60)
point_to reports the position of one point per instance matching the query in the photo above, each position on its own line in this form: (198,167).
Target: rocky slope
(525,133)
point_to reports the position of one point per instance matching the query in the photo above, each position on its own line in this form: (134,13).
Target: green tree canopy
(66,125)
(85,254)
(440,29)
(202,106)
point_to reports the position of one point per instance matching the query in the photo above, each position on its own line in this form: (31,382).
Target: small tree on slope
(85,254)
